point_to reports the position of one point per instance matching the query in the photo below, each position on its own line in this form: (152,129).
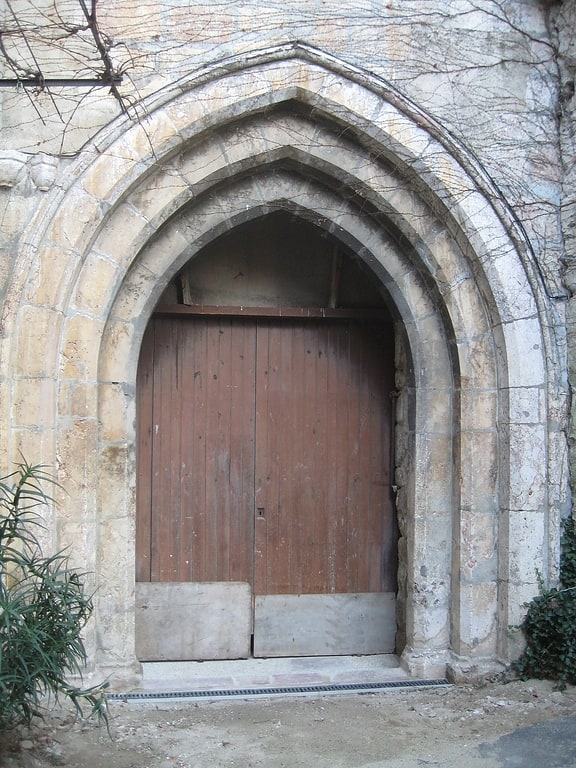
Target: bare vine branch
(86,45)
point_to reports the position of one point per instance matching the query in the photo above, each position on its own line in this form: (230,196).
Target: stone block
(526,405)
(159,255)
(558,477)
(453,273)
(117,348)
(142,23)
(208,27)
(33,354)
(119,240)
(433,533)
(37,446)
(477,538)
(163,196)
(528,467)
(155,134)
(477,358)
(80,347)
(479,471)
(527,552)
(511,286)
(461,295)
(77,399)
(478,619)
(143,289)
(113,412)
(110,169)
(434,473)
(189,114)
(436,406)
(95,285)
(116,464)
(75,221)
(523,342)
(433,365)
(77,536)
(47,276)
(431,614)
(34,403)
(116,556)
(76,462)
(479,408)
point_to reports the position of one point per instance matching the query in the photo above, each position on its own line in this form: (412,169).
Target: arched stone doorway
(265,507)
(480,469)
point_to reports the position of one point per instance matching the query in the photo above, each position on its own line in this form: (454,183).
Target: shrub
(550,623)
(43,609)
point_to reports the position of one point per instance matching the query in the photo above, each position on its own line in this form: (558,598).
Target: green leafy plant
(43,610)
(550,623)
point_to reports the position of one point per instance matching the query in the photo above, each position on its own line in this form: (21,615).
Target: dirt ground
(464,726)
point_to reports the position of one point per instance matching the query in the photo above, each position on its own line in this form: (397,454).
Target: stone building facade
(431,142)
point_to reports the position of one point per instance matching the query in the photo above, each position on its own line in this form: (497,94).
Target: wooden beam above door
(273,312)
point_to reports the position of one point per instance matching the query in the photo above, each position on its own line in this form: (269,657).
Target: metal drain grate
(287,690)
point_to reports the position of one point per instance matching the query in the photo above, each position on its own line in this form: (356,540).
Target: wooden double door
(265,523)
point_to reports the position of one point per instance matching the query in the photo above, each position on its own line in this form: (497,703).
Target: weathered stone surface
(434,141)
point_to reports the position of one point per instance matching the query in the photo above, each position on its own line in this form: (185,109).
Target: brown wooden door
(196,412)
(264,465)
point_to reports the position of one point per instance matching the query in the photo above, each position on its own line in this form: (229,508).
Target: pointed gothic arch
(294,129)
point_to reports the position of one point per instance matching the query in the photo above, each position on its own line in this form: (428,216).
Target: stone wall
(433,139)
(562,22)
(487,72)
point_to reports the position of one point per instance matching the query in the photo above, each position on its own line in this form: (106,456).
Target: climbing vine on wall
(550,623)
(30,36)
